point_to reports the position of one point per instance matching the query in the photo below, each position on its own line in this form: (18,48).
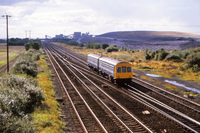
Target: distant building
(59,36)
(85,35)
(77,34)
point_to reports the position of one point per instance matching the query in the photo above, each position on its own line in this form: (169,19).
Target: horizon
(193,35)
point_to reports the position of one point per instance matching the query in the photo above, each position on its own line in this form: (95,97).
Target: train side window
(119,70)
(128,69)
(124,69)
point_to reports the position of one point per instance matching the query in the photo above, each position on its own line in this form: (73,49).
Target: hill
(148,39)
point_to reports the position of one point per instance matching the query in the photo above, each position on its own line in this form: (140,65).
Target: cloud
(12,2)
(98,16)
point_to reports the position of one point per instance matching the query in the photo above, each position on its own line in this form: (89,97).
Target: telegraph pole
(7,16)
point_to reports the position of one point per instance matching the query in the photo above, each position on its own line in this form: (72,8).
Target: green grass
(11,57)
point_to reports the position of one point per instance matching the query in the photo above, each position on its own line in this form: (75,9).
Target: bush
(32,45)
(96,46)
(21,95)
(18,97)
(162,55)
(104,45)
(123,48)
(196,50)
(27,46)
(89,45)
(195,68)
(35,54)
(173,57)
(193,59)
(35,45)
(81,45)
(73,43)
(181,68)
(111,48)
(147,56)
(26,64)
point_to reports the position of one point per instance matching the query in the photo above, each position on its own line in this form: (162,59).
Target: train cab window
(123,69)
(119,70)
(128,69)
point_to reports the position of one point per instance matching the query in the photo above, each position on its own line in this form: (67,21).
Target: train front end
(123,72)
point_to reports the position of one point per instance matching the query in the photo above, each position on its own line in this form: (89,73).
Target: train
(117,71)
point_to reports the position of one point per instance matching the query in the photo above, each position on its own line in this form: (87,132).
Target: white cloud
(99,16)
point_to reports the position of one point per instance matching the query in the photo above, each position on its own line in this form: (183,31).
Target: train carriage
(119,71)
(93,61)
(116,70)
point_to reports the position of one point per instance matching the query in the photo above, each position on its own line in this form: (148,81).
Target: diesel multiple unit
(116,70)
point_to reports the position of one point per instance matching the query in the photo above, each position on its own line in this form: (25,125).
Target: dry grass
(14,51)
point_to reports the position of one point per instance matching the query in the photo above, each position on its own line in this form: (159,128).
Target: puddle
(153,75)
(181,85)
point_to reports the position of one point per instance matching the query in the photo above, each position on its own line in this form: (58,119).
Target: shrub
(131,51)
(96,46)
(81,45)
(123,48)
(196,50)
(162,55)
(173,57)
(35,54)
(13,124)
(181,68)
(104,45)
(35,45)
(18,97)
(111,48)
(27,46)
(147,56)
(21,94)
(195,68)
(89,45)
(32,45)
(193,59)
(26,64)
(73,43)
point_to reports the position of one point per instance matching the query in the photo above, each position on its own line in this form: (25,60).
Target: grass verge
(47,117)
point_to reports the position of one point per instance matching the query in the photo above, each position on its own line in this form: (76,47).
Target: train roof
(94,55)
(111,60)
(106,59)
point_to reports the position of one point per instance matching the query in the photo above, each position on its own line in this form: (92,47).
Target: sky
(53,17)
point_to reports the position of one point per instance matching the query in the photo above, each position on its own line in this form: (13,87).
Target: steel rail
(104,129)
(97,97)
(111,99)
(75,110)
(164,91)
(107,96)
(165,106)
(72,55)
(175,111)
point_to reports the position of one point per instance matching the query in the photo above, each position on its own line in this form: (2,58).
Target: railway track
(182,105)
(113,122)
(127,97)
